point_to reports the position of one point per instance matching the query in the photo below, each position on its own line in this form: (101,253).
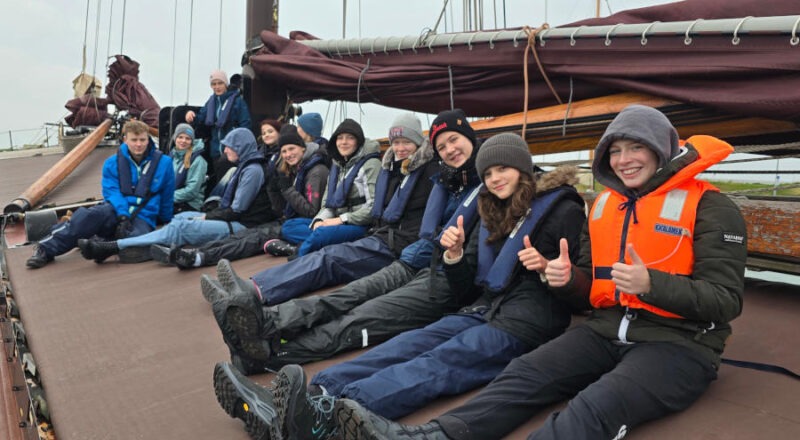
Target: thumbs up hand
(559,271)
(631,278)
(453,239)
(531,258)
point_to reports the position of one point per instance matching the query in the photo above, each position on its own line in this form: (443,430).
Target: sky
(42,41)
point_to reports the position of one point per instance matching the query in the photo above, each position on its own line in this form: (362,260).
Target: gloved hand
(123,227)
(284,182)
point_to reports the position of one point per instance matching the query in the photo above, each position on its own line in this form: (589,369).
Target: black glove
(284,182)
(123,227)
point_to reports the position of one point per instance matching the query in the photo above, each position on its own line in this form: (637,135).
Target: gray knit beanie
(507,149)
(407,126)
(183,129)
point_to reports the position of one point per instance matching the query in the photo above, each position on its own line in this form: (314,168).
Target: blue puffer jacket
(159,207)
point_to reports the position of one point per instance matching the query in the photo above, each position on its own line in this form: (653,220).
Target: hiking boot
(135,254)
(255,329)
(164,255)
(358,423)
(39,258)
(187,258)
(245,400)
(300,415)
(279,248)
(212,289)
(231,282)
(97,250)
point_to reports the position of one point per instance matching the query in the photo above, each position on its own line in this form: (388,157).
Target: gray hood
(242,141)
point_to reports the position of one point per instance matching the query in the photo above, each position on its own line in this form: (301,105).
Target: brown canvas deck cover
(760,76)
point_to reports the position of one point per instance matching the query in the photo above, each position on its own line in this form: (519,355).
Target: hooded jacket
(193,190)
(160,205)
(710,296)
(307,202)
(363,187)
(525,308)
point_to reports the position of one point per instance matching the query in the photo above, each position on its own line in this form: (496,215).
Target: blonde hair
(135,127)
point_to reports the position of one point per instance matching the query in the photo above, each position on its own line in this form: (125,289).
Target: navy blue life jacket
(434,213)
(392,212)
(496,269)
(230,188)
(180,176)
(142,188)
(300,181)
(224,113)
(337,194)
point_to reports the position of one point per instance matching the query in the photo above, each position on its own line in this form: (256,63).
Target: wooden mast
(265,100)
(56,174)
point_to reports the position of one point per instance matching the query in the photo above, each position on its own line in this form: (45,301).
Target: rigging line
(359,19)
(505,24)
(344,18)
(85,36)
(566,113)
(532,46)
(96,38)
(219,40)
(494,9)
(108,43)
(450,74)
(441,14)
(174,39)
(609,8)
(122,35)
(189,63)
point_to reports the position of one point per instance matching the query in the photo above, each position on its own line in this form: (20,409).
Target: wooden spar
(58,172)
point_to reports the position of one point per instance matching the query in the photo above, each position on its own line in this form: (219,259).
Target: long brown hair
(501,216)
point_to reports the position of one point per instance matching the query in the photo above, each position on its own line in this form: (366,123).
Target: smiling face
(183,142)
(347,144)
(219,87)
(231,155)
(292,154)
(137,145)
(454,148)
(633,162)
(269,135)
(502,181)
(403,148)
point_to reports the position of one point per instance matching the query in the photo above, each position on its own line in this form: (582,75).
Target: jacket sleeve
(461,275)
(242,114)
(195,182)
(713,293)
(324,213)
(167,193)
(306,205)
(276,200)
(363,215)
(111,190)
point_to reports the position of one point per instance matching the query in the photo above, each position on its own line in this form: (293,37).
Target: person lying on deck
(244,204)
(661,310)
(409,293)
(400,197)
(512,311)
(138,187)
(295,187)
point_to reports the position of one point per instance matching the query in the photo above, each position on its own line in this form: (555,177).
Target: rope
(96,40)
(569,106)
(122,35)
(532,46)
(450,73)
(219,42)
(85,36)
(174,38)
(358,87)
(189,63)
(441,14)
(108,43)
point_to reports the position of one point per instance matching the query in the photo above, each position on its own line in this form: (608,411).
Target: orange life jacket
(663,235)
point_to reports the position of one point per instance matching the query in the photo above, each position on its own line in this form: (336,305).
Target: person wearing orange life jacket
(662,265)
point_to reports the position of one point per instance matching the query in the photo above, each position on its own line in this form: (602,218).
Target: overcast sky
(41,45)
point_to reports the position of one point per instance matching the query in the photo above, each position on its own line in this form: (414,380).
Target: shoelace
(323,405)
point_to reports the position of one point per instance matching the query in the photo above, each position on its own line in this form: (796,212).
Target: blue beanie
(311,123)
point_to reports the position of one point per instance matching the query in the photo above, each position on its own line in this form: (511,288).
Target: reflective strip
(519,224)
(673,204)
(472,195)
(364,338)
(403,182)
(622,332)
(600,205)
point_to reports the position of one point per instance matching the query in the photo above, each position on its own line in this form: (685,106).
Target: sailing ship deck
(127,351)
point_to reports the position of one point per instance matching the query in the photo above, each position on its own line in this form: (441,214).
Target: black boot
(232,282)
(212,289)
(97,250)
(187,258)
(244,399)
(301,415)
(253,325)
(358,423)
(164,255)
(279,248)
(39,258)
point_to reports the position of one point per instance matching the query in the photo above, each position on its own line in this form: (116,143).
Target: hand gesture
(189,116)
(531,258)
(453,239)
(631,278)
(559,271)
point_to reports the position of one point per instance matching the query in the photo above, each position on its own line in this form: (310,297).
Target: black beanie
(289,135)
(452,120)
(351,127)
(506,149)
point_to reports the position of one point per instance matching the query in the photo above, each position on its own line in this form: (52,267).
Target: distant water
(772,276)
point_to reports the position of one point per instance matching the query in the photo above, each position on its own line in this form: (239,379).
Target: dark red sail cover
(86,110)
(126,92)
(759,77)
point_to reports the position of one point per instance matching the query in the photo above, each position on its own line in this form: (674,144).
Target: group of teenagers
(462,265)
